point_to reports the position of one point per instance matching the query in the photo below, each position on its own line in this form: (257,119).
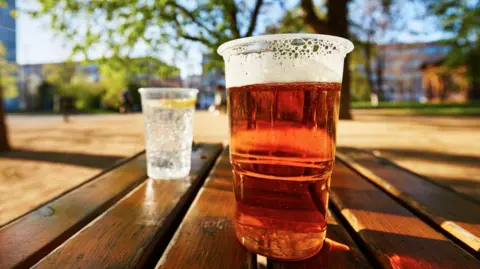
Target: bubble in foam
(284,58)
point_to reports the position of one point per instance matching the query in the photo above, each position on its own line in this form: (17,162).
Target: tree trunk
(474,92)
(473,67)
(338,24)
(4,146)
(368,67)
(379,72)
(345,97)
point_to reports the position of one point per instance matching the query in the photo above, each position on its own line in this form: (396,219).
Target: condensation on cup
(284,97)
(168,115)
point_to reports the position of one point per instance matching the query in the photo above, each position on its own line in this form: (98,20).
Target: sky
(37,43)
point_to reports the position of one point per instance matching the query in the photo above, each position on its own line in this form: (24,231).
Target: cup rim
(167,90)
(242,41)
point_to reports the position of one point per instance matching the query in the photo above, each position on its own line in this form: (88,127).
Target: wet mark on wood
(211,225)
(47,211)
(80,256)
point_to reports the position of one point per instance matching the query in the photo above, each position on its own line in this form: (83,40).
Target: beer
(283,105)
(282,152)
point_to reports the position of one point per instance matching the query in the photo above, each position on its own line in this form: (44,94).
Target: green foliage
(122,25)
(360,88)
(67,81)
(406,107)
(87,95)
(118,74)
(8,80)
(113,81)
(61,76)
(461,18)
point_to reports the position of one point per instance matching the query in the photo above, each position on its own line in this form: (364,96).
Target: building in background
(396,70)
(193,81)
(401,68)
(211,78)
(442,84)
(207,83)
(8,30)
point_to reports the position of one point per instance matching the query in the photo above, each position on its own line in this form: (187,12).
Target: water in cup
(168,134)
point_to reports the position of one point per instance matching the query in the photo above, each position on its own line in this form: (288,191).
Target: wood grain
(338,252)
(392,234)
(127,234)
(206,237)
(26,240)
(451,211)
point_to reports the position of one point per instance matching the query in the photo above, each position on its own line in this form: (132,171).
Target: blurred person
(127,102)
(67,104)
(220,102)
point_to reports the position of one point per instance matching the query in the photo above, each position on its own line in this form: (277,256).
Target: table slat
(206,237)
(338,252)
(26,240)
(392,234)
(451,211)
(134,229)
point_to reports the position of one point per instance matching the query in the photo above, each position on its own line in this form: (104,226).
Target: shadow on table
(394,251)
(80,159)
(419,160)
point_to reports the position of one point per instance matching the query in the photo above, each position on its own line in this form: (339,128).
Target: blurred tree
(335,23)
(7,89)
(360,87)
(123,25)
(292,22)
(371,22)
(60,75)
(45,91)
(118,74)
(461,18)
(114,80)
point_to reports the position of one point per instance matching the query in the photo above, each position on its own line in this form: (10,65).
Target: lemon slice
(172,103)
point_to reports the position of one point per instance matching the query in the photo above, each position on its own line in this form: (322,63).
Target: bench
(380,216)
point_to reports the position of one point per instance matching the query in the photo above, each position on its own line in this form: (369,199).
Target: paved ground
(51,157)
(444,149)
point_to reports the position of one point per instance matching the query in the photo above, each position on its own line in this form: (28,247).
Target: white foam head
(284,58)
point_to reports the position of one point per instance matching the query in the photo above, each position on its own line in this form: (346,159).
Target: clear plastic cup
(168,115)
(284,98)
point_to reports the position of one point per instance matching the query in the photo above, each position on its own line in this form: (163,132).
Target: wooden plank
(206,237)
(134,229)
(389,232)
(338,252)
(26,240)
(451,211)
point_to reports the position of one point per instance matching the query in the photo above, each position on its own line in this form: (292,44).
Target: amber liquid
(282,151)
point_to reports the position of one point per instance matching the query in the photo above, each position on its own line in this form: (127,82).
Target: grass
(51,112)
(447,109)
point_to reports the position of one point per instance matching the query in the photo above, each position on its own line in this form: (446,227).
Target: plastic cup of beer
(284,97)
(168,115)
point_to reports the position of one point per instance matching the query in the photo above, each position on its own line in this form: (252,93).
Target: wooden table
(381,216)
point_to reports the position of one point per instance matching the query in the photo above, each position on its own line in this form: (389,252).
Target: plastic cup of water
(168,115)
